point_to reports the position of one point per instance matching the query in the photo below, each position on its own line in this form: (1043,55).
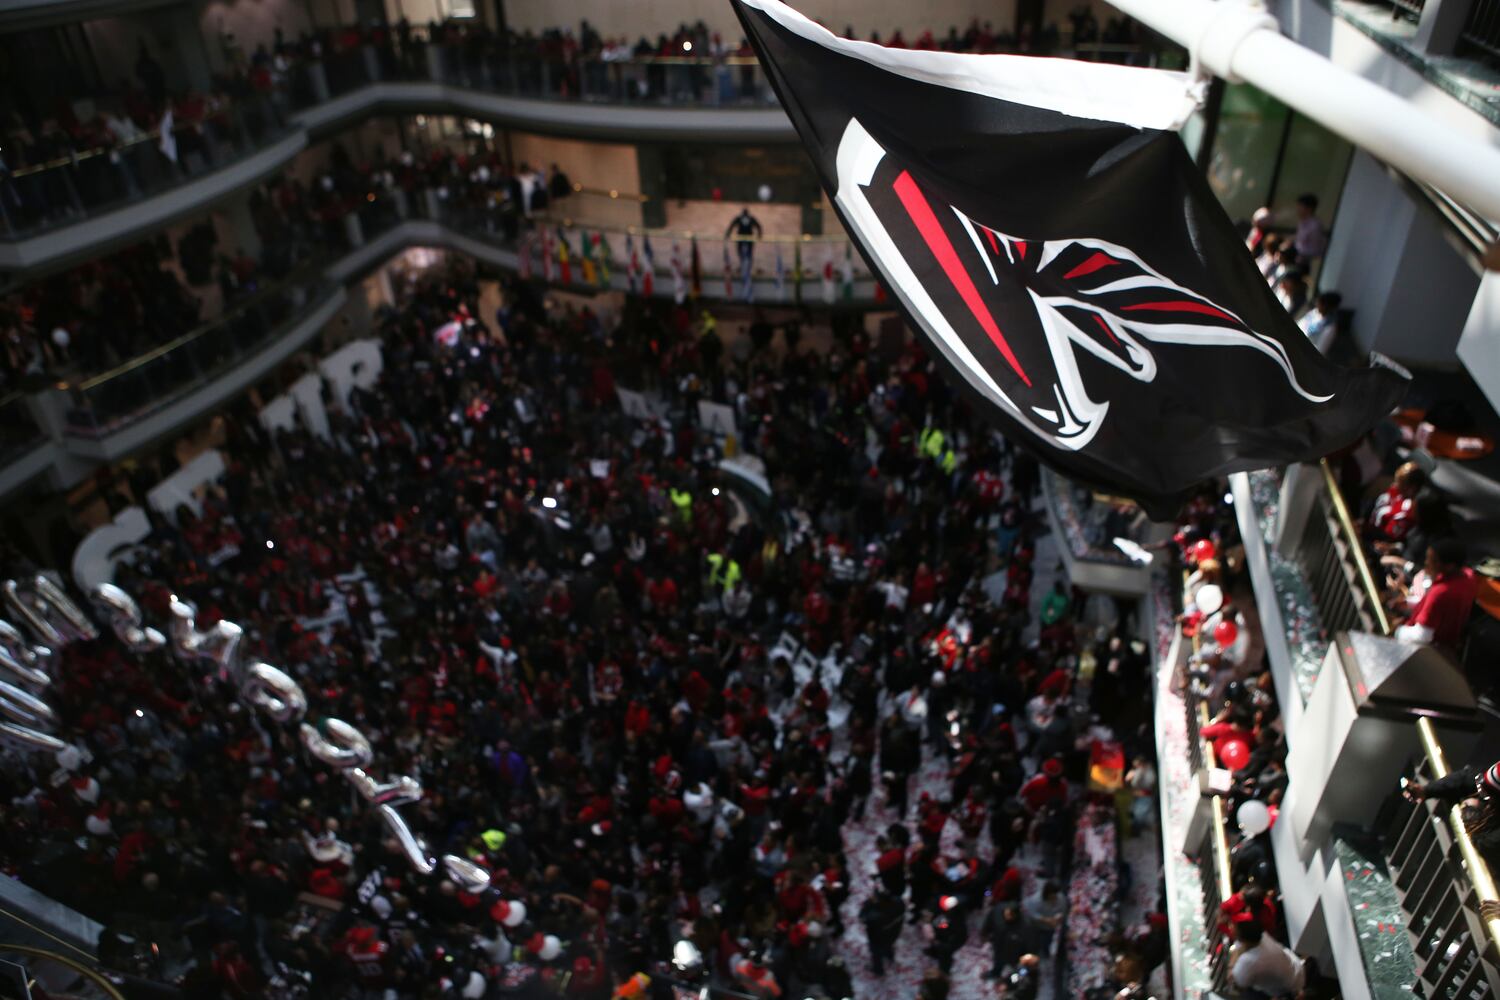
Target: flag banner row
(768,271)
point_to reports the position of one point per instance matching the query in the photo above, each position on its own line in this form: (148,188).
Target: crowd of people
(824,745)
(1244,736)
(1289,263)
(62,158)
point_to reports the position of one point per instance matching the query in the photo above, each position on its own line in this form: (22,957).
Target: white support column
(1441,23)
(1240,42)
(1409,288)
(1299,497)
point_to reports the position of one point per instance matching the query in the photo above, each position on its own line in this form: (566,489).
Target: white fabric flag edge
(1127,95)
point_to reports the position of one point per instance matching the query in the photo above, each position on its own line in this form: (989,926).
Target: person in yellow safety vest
(722,572)
(683,501)
(930,443)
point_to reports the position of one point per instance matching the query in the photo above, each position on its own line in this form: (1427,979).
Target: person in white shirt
(1291,291)
(1261,966)
(1311,239)
(1320,323)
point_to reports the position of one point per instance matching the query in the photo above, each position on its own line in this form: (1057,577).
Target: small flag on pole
(168,141)
(679,285)
(605,258)
(565,267)
(797,271)
(590,272)
(523,258)
(648,279)
(632,265)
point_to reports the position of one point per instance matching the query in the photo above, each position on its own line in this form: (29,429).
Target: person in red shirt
(1228,727)
(1444,610)
(1250,903)
(1395,510)
(1045,788)
(923,586)
(663,594)
(890,866)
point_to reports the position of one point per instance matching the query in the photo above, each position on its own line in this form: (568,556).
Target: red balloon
(1204,549)
(1233,753)
(1226,632)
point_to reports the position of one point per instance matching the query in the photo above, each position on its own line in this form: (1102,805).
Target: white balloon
(515,914)
(551,948)
(69,758)
(764,193)
(1253,817)
(1210,598)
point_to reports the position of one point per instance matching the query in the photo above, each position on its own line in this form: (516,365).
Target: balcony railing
(110,400)
(1480,37)
(1444,883)
(53,182)
(1212,852)
(1332,558)
(104,403)
(49,184)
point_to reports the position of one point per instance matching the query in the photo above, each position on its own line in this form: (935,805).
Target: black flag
(1043,226)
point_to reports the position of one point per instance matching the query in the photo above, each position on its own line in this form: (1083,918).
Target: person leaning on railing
(1479,792)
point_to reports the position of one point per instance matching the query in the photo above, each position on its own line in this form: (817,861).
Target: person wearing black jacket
(1480,793)
(883,915)
(1024,983)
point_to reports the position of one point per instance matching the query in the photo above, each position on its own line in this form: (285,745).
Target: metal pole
(1213,106)
(1243,43)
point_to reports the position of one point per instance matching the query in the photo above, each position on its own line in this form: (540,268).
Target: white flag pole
(1241,42)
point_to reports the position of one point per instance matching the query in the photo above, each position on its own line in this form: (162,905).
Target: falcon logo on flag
(1062,296)
(1041,224)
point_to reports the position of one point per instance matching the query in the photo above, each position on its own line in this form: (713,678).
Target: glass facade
(1265,154)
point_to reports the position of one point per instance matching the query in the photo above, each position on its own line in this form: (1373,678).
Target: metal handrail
(308,277)
(1351,535)
(566,222)
(1221,848)
(91,975)
(221,107)
(1479,872)
(612,193)
(1219,827)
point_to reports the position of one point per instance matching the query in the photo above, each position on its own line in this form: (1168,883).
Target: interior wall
(233,28)
(1410,290)
(602,165)
(713,217)
(116,43)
